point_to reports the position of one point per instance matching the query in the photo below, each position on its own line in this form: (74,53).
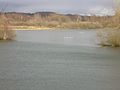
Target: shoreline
(29,28)
(47,28)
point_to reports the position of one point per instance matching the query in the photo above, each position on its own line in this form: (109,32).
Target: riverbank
(67,25)
(30,28)
(33,28)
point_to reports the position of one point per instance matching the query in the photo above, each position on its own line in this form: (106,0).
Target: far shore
(29,28)
(48,28)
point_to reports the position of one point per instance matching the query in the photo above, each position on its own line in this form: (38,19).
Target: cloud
(63,6)
(101,11)
(10,6)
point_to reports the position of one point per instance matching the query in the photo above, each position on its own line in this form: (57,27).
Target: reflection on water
(55,60)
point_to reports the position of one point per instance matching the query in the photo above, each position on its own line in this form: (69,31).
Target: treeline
(55,20)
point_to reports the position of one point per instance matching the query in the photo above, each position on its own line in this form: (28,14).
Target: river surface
(58,60)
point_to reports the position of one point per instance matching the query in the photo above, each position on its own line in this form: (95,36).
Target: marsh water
(58,60)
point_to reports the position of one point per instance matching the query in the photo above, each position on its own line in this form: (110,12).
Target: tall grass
(84,25)
(111,37)
(6,33)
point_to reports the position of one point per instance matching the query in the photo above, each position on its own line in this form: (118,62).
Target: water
(66,37)
(55,60)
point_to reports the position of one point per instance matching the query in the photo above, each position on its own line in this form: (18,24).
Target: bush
(109,38)
(6,33)
(85,25)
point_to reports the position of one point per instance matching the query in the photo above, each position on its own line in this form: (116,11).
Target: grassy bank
(67,25)
(30,28)
(39,25)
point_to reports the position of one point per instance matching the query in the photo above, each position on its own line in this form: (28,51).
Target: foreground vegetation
(111,36)
(6,33)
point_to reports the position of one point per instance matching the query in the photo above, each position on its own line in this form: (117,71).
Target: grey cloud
(11,6)
(64,6)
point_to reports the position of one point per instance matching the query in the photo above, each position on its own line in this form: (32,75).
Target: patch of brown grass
(109,38)
(6,33)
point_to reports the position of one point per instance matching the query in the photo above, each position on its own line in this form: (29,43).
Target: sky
(100,7)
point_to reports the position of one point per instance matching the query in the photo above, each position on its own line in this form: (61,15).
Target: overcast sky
(61,6)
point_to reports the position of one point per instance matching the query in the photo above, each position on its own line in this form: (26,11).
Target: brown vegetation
(111,37)
(55,20)
(6,33)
